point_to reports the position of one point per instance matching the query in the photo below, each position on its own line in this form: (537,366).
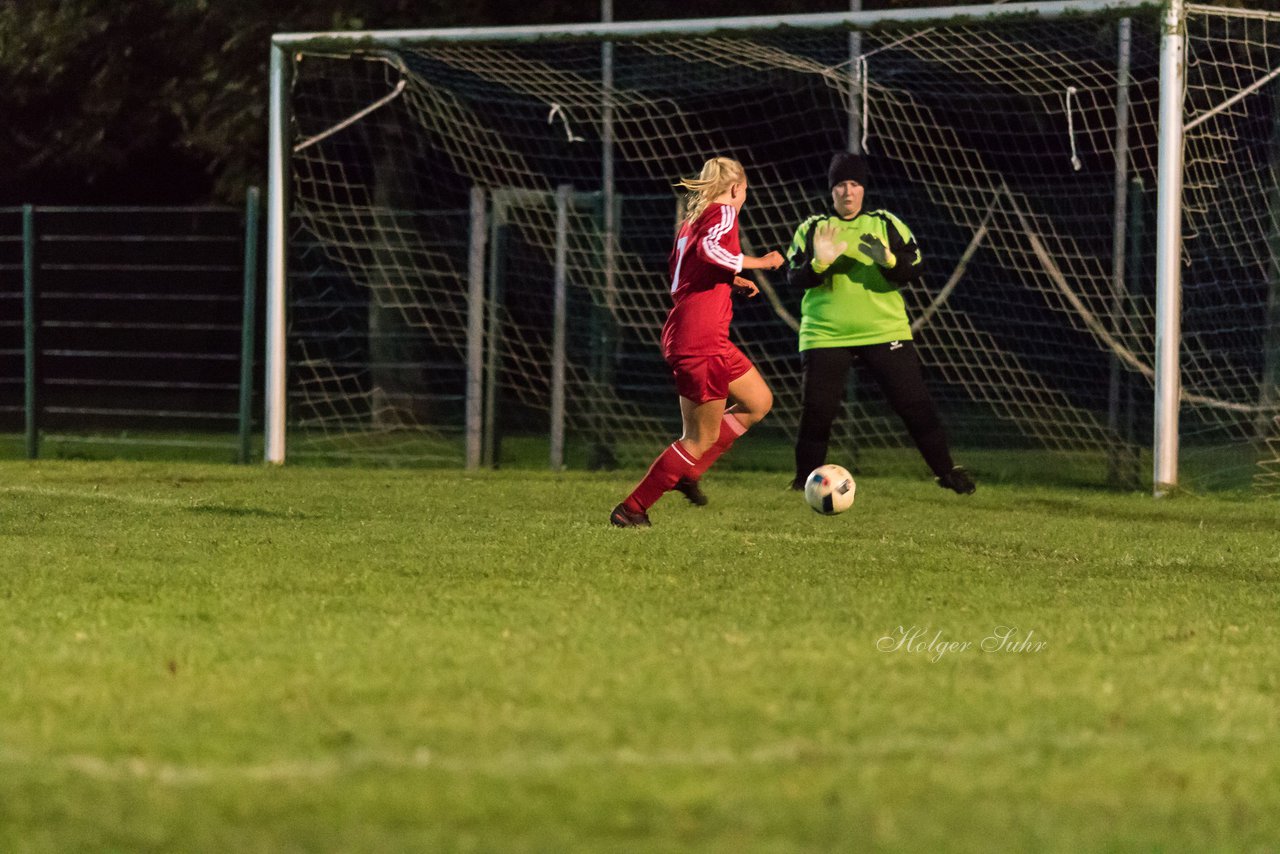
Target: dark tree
(165,100)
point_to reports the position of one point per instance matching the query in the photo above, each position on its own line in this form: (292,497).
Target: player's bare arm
(772,261)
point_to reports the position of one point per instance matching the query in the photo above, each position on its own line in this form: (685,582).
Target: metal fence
(129,328)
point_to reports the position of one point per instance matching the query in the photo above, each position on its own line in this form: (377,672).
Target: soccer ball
(829,490)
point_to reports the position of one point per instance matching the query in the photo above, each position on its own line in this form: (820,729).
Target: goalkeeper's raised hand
(874,248)
(826,249)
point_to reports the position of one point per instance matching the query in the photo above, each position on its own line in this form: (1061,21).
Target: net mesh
(997,143)
(1231,253)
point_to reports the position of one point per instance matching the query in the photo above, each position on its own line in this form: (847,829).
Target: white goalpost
(468,227)
(1169,251)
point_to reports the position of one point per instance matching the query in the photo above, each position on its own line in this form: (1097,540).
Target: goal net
(456,199)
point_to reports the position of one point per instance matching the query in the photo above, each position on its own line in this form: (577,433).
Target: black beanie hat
(847,167)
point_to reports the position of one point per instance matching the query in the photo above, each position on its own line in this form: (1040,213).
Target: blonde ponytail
(718,174)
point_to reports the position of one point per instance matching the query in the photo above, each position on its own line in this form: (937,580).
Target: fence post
(491,437)
(29,322)
(475,330)
(564,195)
(248,322)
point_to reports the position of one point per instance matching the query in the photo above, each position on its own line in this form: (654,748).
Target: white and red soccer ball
(829,490)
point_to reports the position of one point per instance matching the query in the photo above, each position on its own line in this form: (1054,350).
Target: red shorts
(703,378)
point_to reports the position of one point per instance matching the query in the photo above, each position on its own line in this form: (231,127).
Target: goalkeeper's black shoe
(797,485)
(621,517)
(689,488)
(958,480)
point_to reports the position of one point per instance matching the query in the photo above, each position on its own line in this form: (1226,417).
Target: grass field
(212,658)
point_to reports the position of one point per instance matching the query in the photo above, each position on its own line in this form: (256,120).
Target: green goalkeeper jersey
(855,301)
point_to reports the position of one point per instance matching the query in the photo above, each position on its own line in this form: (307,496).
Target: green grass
(217,658)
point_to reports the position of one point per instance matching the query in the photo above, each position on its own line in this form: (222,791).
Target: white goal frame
(1169,192)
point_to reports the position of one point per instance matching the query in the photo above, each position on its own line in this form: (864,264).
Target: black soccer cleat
(689,488)
(958,480)
(797,485)
(621,517)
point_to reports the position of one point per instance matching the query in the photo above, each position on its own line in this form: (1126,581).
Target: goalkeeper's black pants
(895,367)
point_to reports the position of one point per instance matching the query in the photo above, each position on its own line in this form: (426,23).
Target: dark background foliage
(164,101)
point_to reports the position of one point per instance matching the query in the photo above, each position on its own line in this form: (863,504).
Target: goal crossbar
(629,30)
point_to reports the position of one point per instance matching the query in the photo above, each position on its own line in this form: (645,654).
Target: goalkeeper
(851,266)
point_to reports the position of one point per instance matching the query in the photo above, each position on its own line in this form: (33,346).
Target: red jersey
(703,262)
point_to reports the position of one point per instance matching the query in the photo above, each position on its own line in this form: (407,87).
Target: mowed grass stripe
(524,764)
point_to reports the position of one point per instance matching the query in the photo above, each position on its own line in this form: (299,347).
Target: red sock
(671,465)
(730,429)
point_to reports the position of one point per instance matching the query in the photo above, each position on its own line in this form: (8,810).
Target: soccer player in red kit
(708,368)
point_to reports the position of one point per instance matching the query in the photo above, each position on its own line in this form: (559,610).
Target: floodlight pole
(857,81)
(274,356)
(1120,297)
(1168,389)
(606,160)
(474,394)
